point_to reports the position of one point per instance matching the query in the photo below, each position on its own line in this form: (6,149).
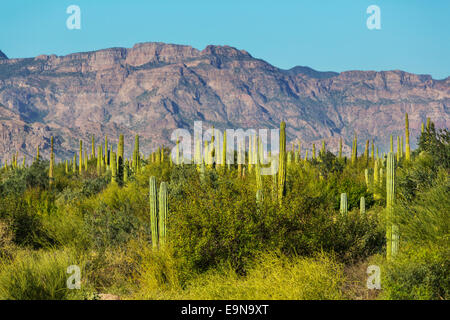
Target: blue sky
(323,34)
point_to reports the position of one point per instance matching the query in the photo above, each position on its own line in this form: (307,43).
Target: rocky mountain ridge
(154,88)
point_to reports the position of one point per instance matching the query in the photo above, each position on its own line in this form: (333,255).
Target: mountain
(153,88)
(2,55)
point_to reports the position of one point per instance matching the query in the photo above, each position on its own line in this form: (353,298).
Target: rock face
(153,88)
(2,55)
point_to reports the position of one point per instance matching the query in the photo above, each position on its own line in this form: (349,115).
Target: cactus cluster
(158,213)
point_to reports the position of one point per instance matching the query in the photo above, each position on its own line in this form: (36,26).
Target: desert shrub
(7,247)
(417,273)
(271,276)
(425,219)
(112,218)
(37,275)
(24,220)
(17,181)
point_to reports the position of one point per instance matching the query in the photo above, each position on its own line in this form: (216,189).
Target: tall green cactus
(74,163)
(80,165)
(408,147)
(340,148)
(105,156)
(224,149)
(153,212)
(50,171)
(93,147)
(85,161)
(113,166)
(392,237)
(120,158)
(355,149)
(163,209)
(282,163)
(366,176)
(99,161)
(362,206)
(259,197)
(136,154)
(37,153)
(344,205)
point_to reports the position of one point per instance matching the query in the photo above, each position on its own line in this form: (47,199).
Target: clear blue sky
(323,34)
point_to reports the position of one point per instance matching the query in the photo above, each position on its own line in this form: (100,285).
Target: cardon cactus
(125,171)
(259,197)
(163,209)
(93,147)
(340,148)
(50,171)
(282,163)
(362,206)
(113,166)
(120,157)
(408,147)
(80,168)
(344,206)
(153,212)
(392,237)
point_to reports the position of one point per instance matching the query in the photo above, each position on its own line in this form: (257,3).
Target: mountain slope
(154,88)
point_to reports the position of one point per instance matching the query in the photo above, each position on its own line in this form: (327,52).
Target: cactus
(113,166)
(224,149)
(282,163)
(259,197)
(153,212)
(391,230)
(340,148)
(355,150)
(381,176)
(120,157)
(163,208)
(67,166)
(376,180)
(177,156)
(93,147)
(373,151)
(80,168)
(344,207)
(362,206)
(37,153)
(74,163)
(398,149)
(105,160)
(408,147)
(314,151)
(125,172)
(50,171)
(422,127)
(136,154)
(85,161)
(99,161)
(366,176)
(392,144)
(258,172)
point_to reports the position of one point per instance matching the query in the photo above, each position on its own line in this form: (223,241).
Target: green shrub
(271,276)
(418,273)
(38,275)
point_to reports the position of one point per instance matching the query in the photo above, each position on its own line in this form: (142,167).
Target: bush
(418,273)
(37,275)
(271,276)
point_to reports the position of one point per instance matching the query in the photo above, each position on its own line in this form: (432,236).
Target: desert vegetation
(152,227)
